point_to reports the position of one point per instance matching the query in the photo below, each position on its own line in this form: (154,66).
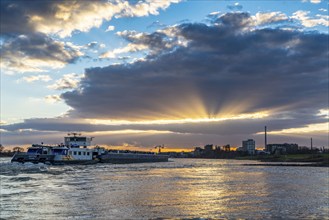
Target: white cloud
(312,1)
(129,48)
(318,128)
(29,79)
(315,1)
(52,99)
(324,113)
(215,13)
(269,18)
(110,28)
(68,81)
(307,21)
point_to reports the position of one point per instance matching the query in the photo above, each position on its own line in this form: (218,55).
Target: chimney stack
(265,139)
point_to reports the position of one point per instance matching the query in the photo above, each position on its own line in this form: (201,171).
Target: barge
(75,151)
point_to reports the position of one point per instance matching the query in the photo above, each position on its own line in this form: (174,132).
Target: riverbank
(318,160)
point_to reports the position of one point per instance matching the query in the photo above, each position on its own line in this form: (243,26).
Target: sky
(136,74)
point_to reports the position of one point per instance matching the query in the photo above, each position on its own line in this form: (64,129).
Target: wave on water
(13,169)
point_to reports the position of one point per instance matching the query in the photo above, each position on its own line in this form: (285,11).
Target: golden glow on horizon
(147,149)
(256,115)
(320,127)
(128,131)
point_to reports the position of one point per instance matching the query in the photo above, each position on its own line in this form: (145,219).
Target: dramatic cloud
(198,83)
(223,69)
(64,17)
(27,53)
(28,28)
(68,81)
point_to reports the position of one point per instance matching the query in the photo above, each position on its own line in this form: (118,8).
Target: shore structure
(75,151)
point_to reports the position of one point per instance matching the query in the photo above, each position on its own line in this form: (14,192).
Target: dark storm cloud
(48,18)
(25,48)
(15,15)
(156,42)
(25,51)
(223,65)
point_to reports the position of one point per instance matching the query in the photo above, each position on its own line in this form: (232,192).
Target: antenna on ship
(75,134)
(159,148)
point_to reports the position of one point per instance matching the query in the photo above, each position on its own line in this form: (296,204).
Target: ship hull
(23,157)
(121,158)
(68,162)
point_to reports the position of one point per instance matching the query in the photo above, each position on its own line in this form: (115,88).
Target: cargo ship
(75,150)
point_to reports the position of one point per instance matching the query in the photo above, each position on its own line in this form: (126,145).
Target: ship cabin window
(70,152)
(59,151)
(84,153)
(34,151)
(79,152)
(80,139)
(74,152)
(88,153)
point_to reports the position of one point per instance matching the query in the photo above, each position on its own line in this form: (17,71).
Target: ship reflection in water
(183,188)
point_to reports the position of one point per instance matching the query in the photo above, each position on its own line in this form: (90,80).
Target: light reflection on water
(183,188)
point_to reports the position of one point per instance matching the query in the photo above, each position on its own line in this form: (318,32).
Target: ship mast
(159,147)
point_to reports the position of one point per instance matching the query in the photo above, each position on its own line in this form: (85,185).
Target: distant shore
(314,160)
(290,164)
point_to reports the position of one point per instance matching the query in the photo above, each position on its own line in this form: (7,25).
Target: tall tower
(266,139)
(311,144)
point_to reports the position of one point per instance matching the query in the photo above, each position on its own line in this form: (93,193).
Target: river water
(180,189)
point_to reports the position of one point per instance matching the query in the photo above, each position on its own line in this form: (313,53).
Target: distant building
(227,148)
(249,146)
(208,147)
(198,151)
(282,148)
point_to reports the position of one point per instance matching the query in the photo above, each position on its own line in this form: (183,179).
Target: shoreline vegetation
(315,160)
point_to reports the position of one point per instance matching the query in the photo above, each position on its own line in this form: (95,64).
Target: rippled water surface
(182,188)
